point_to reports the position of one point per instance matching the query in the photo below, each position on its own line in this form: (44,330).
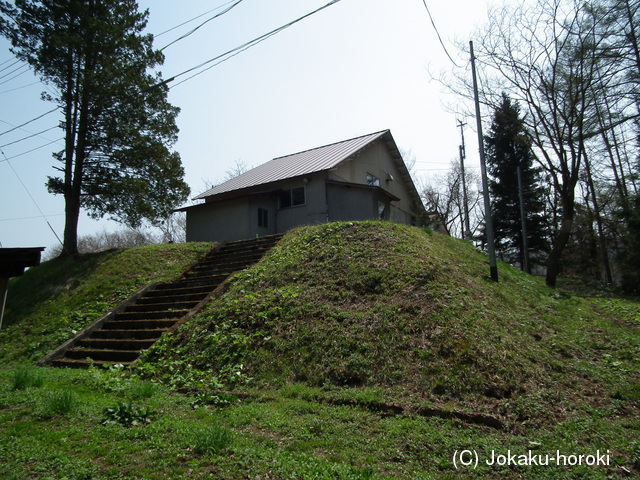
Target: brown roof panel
(295,165)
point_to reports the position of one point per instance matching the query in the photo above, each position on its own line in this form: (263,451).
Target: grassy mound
(48,304)
(358,351)
(412,314)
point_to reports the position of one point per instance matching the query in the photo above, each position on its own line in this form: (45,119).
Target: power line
(29,218)
(29,151)
(21,67)
(30,121)
(193,19)
(433,23)
(201,25)
(241,48)
(20,87)
(16,61)
(15,76)
(32,199)
(30,136)
(7,61)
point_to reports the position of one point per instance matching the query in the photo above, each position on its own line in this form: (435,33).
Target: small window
(298,196)
(293,197)
(382,211)
(373,180)
(263,218)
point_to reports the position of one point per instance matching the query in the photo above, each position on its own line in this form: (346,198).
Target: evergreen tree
(507,148)
(118,126)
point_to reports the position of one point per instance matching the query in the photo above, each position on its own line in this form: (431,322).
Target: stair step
(116,343)
(108,355)
(69,363)
(133,334)
(253,254)
(177,289)
(211,277)
(139,324)
(161,307)
(157,315)
(207,283)
(120,340)
(189,297)
(226,263)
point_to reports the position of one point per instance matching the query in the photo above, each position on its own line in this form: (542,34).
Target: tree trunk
(72,208)
(71,217)
(77,121)
(561,240)
(604,254)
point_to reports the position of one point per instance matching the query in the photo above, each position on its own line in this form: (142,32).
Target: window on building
(263,217)
(293,197)
(373,180)
(382,211)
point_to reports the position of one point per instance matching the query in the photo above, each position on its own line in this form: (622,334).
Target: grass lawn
(351,351)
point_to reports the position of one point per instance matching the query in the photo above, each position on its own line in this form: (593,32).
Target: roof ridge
(274,169)
(332,144)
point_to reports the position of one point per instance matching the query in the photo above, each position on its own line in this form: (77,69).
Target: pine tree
(508,148)
(118,126)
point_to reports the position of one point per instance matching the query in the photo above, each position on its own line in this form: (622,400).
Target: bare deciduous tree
(558,60)
(443,194)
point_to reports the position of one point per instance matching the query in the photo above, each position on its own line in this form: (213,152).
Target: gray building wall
(219,221)
(352,202)
(237,218)
(377,160)
(314,210)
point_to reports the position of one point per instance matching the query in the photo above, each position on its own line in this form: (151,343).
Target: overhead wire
(15,76)
(29,218)
(433,23)
(233,3)
(30,121)
(16,61)
(8,64)
(241,48)
(32,150)
(21,87)
(24,66)
(30,136)
(218,60)
(192,31)
(193,19)
(31,196)
(8,60)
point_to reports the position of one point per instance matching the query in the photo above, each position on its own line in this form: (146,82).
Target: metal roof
(295,165)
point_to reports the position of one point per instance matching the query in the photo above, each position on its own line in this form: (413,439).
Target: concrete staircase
(137,323)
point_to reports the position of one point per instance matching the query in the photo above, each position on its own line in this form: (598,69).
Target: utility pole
(523,222)
(466,234)
(491,245)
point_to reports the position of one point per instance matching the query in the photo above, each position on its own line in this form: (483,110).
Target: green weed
(61,403)
(25,378)
(142,389)
(127,414)
(211,439)
(634,448)
(356,350)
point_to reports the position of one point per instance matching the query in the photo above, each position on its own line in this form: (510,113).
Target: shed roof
(297,164)
(13,261)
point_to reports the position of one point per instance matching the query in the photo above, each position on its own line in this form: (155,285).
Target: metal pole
(491,246)
(4,288)
(466,234)
(525,240)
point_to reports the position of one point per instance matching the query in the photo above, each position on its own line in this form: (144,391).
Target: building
(363,178)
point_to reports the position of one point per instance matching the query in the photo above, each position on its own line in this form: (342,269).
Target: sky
(356,67)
